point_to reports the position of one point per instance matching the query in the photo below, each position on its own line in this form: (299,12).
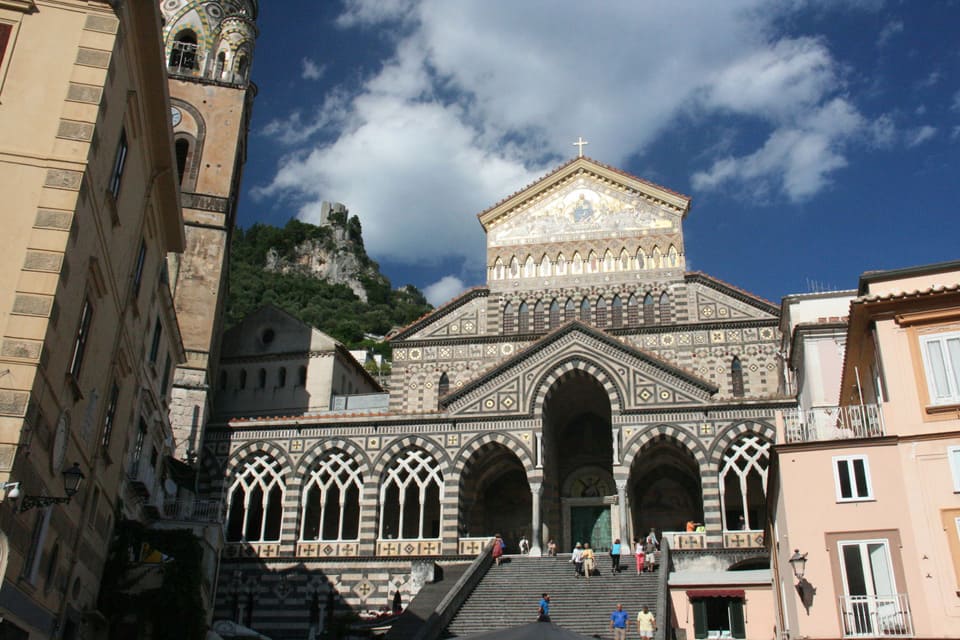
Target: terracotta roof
(693,275)
(567,164)
(906,295)
(446,307)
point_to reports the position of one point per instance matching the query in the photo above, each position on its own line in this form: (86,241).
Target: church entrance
(495,496)
(665,488)
(578,463)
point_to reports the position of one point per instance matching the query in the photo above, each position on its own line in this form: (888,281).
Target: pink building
(865,509)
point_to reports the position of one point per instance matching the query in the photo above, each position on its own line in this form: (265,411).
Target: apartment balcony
(876,616)
(142,479)
(206,511)
(833,423)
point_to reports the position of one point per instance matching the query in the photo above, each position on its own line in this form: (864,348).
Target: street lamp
(799,563)
(72,478)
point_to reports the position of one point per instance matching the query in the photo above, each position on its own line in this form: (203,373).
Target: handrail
(443,613)
(663,599)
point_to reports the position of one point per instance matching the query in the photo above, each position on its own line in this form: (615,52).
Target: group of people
(645,553)
(619,620)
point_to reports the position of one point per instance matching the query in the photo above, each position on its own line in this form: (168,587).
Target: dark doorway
(664,487)
(495,496)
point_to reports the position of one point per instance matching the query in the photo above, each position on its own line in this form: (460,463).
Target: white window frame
(953,393)
(953,456)
(852,477)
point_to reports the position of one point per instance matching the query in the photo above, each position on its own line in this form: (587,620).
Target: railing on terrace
(833,423)
(876,616)
(194,510)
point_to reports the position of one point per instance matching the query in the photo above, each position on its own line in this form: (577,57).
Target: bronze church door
(591,524)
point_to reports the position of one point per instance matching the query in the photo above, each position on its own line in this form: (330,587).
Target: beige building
(89,334)
(866,491)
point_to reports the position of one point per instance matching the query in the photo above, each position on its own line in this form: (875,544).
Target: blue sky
(817,139)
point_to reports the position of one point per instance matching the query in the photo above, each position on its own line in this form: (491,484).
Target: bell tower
(208,48)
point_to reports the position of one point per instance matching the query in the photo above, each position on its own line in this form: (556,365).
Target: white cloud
(920,135)
(311,70)
(889,31)
(444,290)
(480,97)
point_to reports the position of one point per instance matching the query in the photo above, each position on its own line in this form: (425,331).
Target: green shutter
(700,618)
(737,627)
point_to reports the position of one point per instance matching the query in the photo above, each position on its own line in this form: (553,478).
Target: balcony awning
(715,593)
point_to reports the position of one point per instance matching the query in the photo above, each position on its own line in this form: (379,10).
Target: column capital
(621,484)
(536,488)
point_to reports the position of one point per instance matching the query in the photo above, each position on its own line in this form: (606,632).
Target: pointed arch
(576,265)
(411,493)
(743,482)
(616,312)
(514,267)
(601,312)
(554,314)
(593,262)
(656,259)
(523,318)
(529,267)
(585,310)
(184,53)
(255,500)
(673,257)
(567,367)
(330,504)
(545,266)
(641,259)
(561,265)
(498,269)
(665,315)
(569,310)
(624,260)
(633,311)
(648,310)
(538,322)
(443,385)
(509,319)
(220,65)
(609,264)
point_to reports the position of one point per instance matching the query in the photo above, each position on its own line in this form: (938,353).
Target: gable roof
(289,335)
(733,291)
(439,312)
(583,165)
(576,326)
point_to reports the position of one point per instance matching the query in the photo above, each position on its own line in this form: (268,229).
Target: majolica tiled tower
(209,47)
(592,390)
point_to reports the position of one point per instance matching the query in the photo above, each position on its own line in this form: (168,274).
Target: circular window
(267,336)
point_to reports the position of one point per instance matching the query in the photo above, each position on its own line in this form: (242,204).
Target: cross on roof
(579,143)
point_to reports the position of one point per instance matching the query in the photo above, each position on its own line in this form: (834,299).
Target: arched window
(585,311)
(241,73)
(523,318)
(633,311)
(243,378)
(544,265)
(255,508)
(657,258)
(577,264)
(601,312)
(302,376)
(183,53)
(743,483)
(673,258)
(443,385)
(641,259)
(561,265)
(331,499)
(220,66)
(569,310)
(498,269)
(648,312)
(736,377)
(593,263)
(182,148)
(664,308)
(554,314)
(282,377)
(609,264)
(514,267)
(616,312)
(624,260)
(529,268)
(509,320)
(410,497)
(262,378)
(538,316)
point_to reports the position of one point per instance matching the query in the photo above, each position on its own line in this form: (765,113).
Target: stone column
(536,491)
(622,503)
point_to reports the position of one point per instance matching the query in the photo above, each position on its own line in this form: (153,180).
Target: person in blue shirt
(619,621)
(543,614)
(615,552)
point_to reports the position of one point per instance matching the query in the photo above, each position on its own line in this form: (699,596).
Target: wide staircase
(508,595)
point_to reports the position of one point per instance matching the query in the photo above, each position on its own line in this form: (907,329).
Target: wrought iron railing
(194,510)
(833,423)
(876,616)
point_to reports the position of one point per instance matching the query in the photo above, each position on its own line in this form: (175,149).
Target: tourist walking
(524,545)
(651,556)
(619,621)
(552,548)
(543,613)
(640,556)
(589,560)
(577,559)
(646,624)
(498,545)
(615,551)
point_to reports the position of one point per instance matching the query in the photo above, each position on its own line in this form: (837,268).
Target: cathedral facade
(594,389)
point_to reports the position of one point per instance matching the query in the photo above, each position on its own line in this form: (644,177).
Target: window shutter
(737,626)
(700,618)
